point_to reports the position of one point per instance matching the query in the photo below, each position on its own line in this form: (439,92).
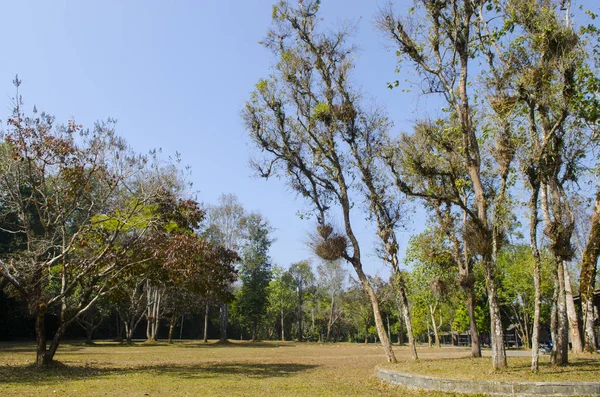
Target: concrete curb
(490,387)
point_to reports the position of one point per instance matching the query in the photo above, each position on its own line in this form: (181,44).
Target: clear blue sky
(175,74)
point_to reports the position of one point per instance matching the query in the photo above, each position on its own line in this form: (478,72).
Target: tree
(359,308)
(517,294)
(442,58)
(432,277)
(225,227)
(304,279)
(55,182)
(304,118)
(255,273)
(538,56)
(331,281)
(92,318)
(282,297)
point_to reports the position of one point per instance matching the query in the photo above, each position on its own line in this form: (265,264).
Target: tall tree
(281,296)
(225,227)
(538,55)
(332,277)
(304,118)
(440,41)
(304,279)
(255,272)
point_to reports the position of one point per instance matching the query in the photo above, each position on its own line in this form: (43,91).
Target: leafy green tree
(255,273)
(517,294)
(281,296)
(432,277)
(360,310)
(225,226)
(332,277)
(304,279)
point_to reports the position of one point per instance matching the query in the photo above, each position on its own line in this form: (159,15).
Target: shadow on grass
(28,374)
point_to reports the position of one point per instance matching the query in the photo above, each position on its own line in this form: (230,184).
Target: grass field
(197,369)
(581,368)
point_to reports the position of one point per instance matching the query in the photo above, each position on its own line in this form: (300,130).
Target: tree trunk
(562,341)
(405,310)
(554,318)
(475,344)
(205,339)
(588,323)
(172,322)
(429,335)
(533,224)
(128,333)
(88,335)
(389,332)
(497,332)
(589,268)
(282,327)
(224,314)
(40,338)
(300,316)
(435,327)
(385,342)
(576,344)
(181,328)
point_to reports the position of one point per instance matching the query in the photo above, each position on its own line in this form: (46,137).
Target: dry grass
(581,368)
(195,369)
(234,369)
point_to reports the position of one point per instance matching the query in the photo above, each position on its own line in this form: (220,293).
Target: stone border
(490,387)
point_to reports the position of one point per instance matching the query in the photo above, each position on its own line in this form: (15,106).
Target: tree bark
(40,338)
(172,322)
(475,344)
(533,224)
(589,268)
(205,338)
(576,345)
(562,341)
(88,335)
(387,347)
(405,310)
(497,332)
(435,327)
(588,323)
(282,327)
(429,335)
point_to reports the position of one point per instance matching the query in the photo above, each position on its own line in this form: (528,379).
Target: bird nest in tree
(560,237)
(324,231)
(478,239)
(328,245)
